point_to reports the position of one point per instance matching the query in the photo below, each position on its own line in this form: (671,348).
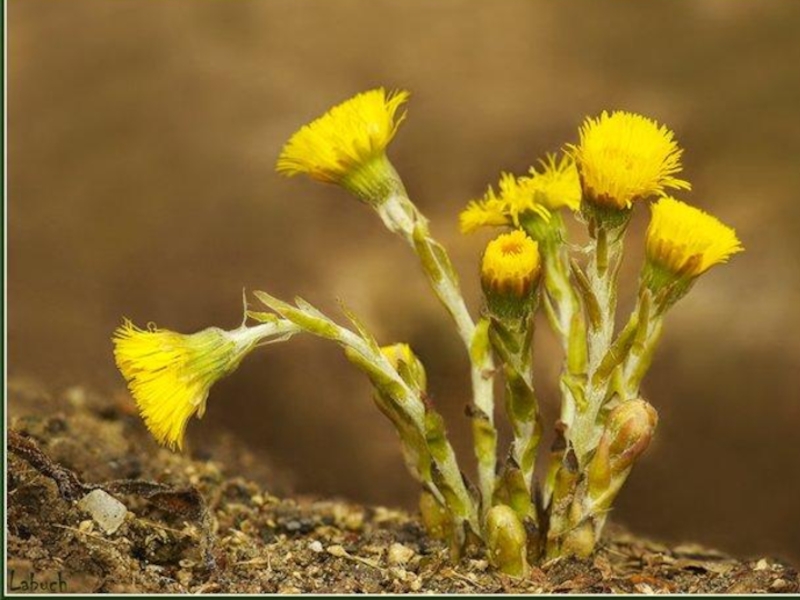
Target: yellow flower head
(509,269)
(406,363)
(557,184)
(170,374)
(515,198)
(347,140)
(685,242)
(623,157)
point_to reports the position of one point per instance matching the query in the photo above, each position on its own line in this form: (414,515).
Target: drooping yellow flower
(557,185)
(510,267)
(170,374)
(347,144)
(514,199)
(686,241)
(623,157)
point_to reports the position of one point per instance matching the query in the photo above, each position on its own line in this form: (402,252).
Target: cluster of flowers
(620,160)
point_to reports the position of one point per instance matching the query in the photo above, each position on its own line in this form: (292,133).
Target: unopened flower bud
(580,541)
(628,432)
(630,428)
(510,273)
(507,541)
(435,517)
(406,363)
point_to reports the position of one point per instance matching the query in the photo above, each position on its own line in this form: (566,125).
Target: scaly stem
(565,315)
(269,332)
(401,216)
(605,254)
(525,418)
(511,339)
(583,428)
(567,320)
(403,401)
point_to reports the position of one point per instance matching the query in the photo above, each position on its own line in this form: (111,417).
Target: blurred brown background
(142,138)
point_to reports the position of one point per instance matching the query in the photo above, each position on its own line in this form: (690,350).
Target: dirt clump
(197,524)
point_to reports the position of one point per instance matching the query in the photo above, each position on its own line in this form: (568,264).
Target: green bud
(507,541)
(408,366)
(510,272)
(628,432)
(580,541)
(435,518)
(630,428)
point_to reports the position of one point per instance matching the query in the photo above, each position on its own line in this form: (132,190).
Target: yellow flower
(623,157)
(515,198)
(170,374)
(685,241)
(347,144)
(509,269)
(557,184)
(483,213)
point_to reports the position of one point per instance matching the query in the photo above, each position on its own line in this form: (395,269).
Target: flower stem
(642,350)
(605,254)
(512,341)
(404,406)
(584,427)
(401,216)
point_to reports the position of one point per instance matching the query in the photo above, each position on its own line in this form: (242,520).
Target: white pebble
(107,511)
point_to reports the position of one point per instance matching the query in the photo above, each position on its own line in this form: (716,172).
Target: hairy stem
(605,254)
(363,351)
(584,427)
(401,216)
(512,342)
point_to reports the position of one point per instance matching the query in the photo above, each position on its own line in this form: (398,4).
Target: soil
(245,533)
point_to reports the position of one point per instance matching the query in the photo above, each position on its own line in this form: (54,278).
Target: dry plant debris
(264,541)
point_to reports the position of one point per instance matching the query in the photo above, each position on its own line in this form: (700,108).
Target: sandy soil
(243,532)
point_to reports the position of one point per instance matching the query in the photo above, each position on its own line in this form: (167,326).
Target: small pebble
(761,565)
(337,551)
(107,511)
(316,546)
(293,526)
(399,554)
